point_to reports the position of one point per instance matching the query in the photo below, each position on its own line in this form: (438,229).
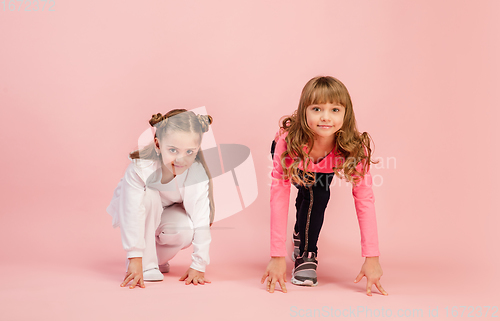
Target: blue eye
(189,152)
(172,150)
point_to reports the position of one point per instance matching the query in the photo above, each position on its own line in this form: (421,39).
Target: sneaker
(152,275)
(304,272)
(164,268)
(296,246)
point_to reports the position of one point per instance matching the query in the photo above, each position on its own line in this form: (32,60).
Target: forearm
(201,246)
(364,201)
(280,196)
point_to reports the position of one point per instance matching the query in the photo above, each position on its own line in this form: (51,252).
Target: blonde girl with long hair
(164,202)
(318,141)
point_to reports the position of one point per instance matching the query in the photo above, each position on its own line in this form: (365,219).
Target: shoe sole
(303,283)
(153,279)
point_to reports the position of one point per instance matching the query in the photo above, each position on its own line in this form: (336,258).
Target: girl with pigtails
(320,140)
(164,202)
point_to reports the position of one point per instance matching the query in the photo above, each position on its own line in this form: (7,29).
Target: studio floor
(75,275)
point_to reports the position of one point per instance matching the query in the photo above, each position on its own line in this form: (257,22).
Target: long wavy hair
(350,146)
(184,121)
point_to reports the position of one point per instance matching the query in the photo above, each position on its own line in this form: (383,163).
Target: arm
(364,201)
(280,197)
(130,212)
(196,203)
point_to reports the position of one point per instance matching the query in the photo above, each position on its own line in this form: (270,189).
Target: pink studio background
(77,87)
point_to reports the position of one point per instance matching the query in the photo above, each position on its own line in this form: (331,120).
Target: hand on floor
(134,273)
(372,270)
(194,276)
(275,272)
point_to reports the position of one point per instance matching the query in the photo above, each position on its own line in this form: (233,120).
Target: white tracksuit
(158,220)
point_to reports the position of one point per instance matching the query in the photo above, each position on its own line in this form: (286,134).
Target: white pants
(168,230)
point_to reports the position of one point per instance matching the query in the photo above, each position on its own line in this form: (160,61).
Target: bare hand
(134,273)
(372,270)
(275,272)
(194,276)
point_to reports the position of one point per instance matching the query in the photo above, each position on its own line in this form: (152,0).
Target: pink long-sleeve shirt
(280,196)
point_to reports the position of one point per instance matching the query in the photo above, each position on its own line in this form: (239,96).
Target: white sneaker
(152,275)
(165,268)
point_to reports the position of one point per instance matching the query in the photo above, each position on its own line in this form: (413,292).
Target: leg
(296,229)
(302,206)
(311,208)
(174,233)
(320,197)
(298,205)
(311,211)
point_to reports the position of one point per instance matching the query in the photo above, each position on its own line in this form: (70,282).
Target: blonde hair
(352,146)
(185,121)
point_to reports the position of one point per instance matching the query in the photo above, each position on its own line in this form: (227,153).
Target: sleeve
(196,203)
(280,198)
(131,212)
(364,201)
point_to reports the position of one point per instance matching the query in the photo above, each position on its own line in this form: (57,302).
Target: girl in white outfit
(164,201)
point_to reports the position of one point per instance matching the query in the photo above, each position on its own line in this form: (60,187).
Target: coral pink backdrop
(78,84)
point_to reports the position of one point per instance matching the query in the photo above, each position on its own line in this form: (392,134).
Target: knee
(175,235)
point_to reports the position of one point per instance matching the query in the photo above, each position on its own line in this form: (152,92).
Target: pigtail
(205,122)
(201,159)
(159,121)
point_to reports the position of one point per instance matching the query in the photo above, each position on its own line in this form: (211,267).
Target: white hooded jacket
(189,188)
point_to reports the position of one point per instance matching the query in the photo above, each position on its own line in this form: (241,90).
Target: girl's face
(325,119)
(178,150)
